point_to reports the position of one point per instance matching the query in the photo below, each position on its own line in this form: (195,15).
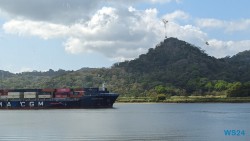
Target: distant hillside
(239,66)
(34,79)
(183,65)
(5,74)
(173,67)
(175,61)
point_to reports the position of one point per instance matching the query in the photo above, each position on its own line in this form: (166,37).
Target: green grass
(187,99)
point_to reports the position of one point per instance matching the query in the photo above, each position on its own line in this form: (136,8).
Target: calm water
(173,122)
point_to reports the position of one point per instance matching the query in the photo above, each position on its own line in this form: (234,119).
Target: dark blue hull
(88,101)
(98,101)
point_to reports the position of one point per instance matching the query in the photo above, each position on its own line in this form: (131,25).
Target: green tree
(160,89)
(209,86)
(221,85)
(234,90)
(161,97)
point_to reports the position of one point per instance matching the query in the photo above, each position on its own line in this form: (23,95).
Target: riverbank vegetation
(185,99)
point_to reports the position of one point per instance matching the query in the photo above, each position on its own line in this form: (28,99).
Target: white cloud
(25,69)
(227,26)
(240,25)
(44,30)
(210,23)
(122,33)
(62,11)
(75,46)
(227,48)
(176,15)
(57,11)
(119,33)
(164,1)
(220,48)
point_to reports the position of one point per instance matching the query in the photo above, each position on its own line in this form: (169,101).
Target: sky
(72,34)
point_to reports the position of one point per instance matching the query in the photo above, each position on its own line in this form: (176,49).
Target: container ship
(48,98)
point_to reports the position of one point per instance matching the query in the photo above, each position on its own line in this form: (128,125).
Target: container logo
(21,104)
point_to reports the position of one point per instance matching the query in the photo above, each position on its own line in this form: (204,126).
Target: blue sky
(71,34)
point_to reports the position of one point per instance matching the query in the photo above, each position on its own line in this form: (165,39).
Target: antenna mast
(165,24)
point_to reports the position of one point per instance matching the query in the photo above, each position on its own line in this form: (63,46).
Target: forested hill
(175,61)
(239,66)
(183,65)
(173,67)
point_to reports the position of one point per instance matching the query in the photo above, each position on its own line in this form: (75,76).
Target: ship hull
(98,101)
(89,101)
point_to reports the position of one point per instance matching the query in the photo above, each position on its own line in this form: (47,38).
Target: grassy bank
(187,99)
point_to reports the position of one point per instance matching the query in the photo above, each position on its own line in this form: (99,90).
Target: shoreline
(186,100)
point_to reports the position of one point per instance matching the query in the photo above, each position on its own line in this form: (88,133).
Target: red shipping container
(3,92)
(63,90)
(62,93)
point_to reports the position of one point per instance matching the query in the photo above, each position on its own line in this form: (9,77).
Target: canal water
(167,122)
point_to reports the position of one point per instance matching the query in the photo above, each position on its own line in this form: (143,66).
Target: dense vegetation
(172,68)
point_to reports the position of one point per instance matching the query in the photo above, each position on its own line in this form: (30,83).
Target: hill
(174,61)
(240,66)
(179,64)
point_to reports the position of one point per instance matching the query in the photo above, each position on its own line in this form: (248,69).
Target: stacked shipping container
(62,93)
(41,93)
(3,94)
(12,95)
(46,93)
(30,95)
(76,93)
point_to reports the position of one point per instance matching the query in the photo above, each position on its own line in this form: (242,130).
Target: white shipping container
(44,96)
(29,96)
(3,96)
(14,93)
(29,93)
(13,96)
